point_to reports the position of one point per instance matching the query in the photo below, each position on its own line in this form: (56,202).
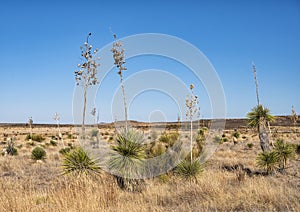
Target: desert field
(29,185)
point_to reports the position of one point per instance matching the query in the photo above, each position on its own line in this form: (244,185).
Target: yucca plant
(10,149)
(284,151)
(189,170)
(127,160)
(260,117)
(267,161)
(79,163)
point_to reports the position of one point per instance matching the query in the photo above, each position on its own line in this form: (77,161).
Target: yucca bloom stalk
(119,61)
(57,119)
(87,75)
(30,122)
(192,109)
(294,116)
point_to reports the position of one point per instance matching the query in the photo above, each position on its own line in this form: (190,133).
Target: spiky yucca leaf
(79,162)
(284,151)
(127,160)
(259,114)
(267,161)
(189,170)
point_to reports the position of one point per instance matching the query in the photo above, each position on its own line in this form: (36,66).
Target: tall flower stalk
(192,110)
(294,116)
(86,76)
(57,119)
(30,122)
(119,60)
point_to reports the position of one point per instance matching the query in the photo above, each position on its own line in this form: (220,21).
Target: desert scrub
(169,138)
(65,150)
(189,170)
(284,151)
(35,137)
(10,149)
(53,143)
(126,162)
(250,145)
(236,134)
(78,162)
(268,161)
(38,153)
(94,132)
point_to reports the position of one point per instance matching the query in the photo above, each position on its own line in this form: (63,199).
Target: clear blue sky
(40,50)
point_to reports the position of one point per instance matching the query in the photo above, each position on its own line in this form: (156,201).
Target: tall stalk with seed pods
(86,76)
(192,110)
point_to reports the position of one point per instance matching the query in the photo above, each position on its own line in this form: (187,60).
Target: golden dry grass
(39,186)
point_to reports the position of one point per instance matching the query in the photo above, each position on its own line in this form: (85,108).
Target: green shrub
(164,138)
(94,132)
(65,150)
(236,134)
(53,143)
(189,170)
(169,138)
(250,145)
(38,153)
(35,137)
(78,162)
(225,139)
(164,178)
(217,139)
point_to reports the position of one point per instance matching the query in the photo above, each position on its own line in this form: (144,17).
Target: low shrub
(38,153)
(35,137)
(236,134)
(53,143)
(250,145)
(65,150)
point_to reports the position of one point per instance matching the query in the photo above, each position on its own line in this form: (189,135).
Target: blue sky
(40,50)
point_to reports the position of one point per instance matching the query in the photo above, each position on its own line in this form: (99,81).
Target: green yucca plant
(127,160)
(259,115)
(284,151)
(79,162)
(189,170)
(267,161)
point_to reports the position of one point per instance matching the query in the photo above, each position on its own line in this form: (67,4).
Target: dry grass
(39,186)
